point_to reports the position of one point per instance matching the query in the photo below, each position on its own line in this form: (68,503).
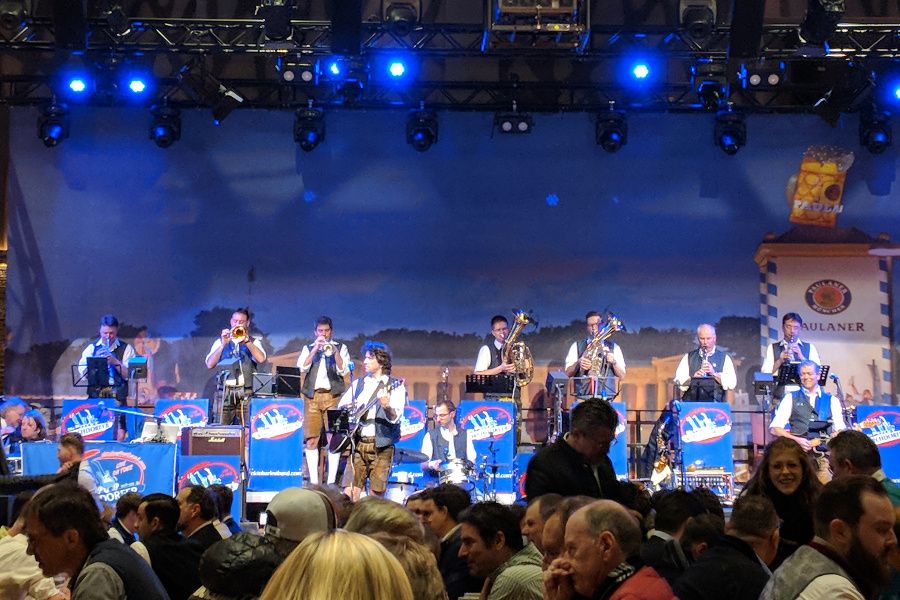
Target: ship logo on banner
(83,419)
(828,297)
(276,422)
(487,422)
(881,427)
(705,425)
(116,473)
(411,423)
(620,428)
(210,472)
(185,415)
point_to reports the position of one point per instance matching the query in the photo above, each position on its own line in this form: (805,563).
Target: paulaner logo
(276,422)
(411,423)
(210,472)
(487,422)
(185,415)
(704,425)
(88,420)
(828,297)
(881,427)
(116,473)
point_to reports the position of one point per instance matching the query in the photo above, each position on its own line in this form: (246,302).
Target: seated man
(536,515)
(852,452)
(197,515)
(491,544)
(797,411)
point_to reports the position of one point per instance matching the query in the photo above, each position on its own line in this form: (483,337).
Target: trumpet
(239,334)
(328,348)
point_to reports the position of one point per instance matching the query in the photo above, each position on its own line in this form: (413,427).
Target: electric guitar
(340,440)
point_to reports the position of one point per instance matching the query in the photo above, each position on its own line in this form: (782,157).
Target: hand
(112,360)
(384,397)
(225,336)
(785,355)
(434,465)
(507,368)
(610,358)
(804,443)
(797,351)
(584,363)
(318,344)
(558,581)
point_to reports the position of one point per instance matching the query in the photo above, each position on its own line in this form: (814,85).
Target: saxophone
(516,353)
(662,471)
(595,349)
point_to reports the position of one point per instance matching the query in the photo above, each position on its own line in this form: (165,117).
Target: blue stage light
(897,92)
(334,67)
(77,85)
(397,69)
(137,85)
(640,71)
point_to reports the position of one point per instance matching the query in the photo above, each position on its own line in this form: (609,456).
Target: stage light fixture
(117,20)
(298,70)
(875,131)
(12,15)
(513,122)
(612,129)
(77,85)
(762,75)
(698,17)
(422,129)
(397,69)
(53,124)
(710,83)
(165,125)
(137,85)
(730,131)
(309,128)
(400,18)
(276,16)
(822,16)
(640,71)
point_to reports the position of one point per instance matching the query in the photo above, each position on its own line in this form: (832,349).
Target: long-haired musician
(790,349)
(379,427)
(237,357)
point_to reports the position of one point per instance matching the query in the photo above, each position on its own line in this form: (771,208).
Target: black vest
(386,433)
(802,412)
(119,386)
(440,449)
(139,580)
(496,358)
(336,381)
(248,363)
(717,360)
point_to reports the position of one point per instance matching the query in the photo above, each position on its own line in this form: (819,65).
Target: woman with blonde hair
(339,564)
(418,562)
(377,515)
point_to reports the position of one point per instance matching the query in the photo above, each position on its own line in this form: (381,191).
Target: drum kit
(478,479)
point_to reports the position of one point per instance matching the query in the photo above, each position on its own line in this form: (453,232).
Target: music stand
(557,382)
(137,368)
(606,387)
(701,389)
(287,381)
(496,385)
(263,384)
(97,373)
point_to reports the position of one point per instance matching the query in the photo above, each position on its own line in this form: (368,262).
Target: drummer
(445,441)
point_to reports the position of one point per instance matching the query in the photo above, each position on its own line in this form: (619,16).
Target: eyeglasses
(501,329)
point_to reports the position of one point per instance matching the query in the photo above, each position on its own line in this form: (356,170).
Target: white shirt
(483,362)
(783,412)
(20,575)
(572,357)
(727,376)
(427,449)
(92,349)
(768,365)
(830,587)
(231,381)
(370,384)
(322,382)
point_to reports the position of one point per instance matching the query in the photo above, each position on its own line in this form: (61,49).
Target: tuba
(516,353)
(594,350)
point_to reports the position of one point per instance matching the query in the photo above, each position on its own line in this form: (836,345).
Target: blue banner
(88,419)
(276,444)
(184,413)
(209,470)
(618,452)
(118,468)
(705,431)
(492,426)
(523,457)
(882,424)
(413,429)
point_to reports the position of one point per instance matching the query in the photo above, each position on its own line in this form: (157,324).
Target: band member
(796,411)
(238,357)
(490,357)
(324,363)
(790,349)
(379,427)
(706,362)
(578,363)
(117,354)
(446,441)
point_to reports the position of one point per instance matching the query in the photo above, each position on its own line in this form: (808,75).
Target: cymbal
(404,455)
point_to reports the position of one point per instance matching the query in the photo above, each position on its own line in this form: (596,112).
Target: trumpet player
(579,364)
(324,363)
(707,362)
(235,348)
(789,349)
(117,354)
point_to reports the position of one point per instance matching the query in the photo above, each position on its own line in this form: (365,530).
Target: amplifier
(222,440)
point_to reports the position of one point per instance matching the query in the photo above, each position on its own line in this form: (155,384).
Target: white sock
(312,463)
(334,460)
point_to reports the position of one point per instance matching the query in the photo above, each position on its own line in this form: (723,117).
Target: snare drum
(458,472)
(399,491)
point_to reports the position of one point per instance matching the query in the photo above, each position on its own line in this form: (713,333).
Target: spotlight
(12,15)
(400,18)
(137,85)
(710,83)
(612,130)
(698,17)
(276,16)
(397,69)
(309,128)
(640,71)
(875,131)
(822,16)
(730,131)
(165,125)
(513,122)
(422,129)
(762,75)
(77,85)
(53,124)
(298,71)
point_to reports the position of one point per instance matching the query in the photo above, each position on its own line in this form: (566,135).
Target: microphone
(834,377)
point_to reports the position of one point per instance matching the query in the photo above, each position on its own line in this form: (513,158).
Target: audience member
(787,477)
(34,426)
(413,503)
(854,526)
(69,453)
(20,574)
(197,513)
(11,411)
(735,567)
(553,536)
(492,546)
(66,535)
(224,497)
(601,559)
(339,565)
(440,509)
(578,462)
(172,557)
(536,516)
(418,562)
(377,515)
(854,453)
(124,523)
(663,549)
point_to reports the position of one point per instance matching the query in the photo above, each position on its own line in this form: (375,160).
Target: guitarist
(379,428)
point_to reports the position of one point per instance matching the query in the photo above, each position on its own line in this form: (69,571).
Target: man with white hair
(706,362)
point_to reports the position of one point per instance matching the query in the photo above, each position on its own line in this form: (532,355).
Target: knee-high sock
(312,463)
(334,460)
